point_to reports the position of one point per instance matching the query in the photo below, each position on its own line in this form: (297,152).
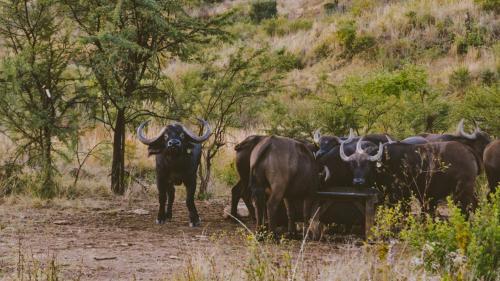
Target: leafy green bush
(488,77)
(263,10)
(490,5)
(460,79)
(350,42)
(481,104)
(346,34)
(286,61)
(458,248)
(227,174)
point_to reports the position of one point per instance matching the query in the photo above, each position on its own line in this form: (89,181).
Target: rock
(242,211)
(140,212)
(62,222)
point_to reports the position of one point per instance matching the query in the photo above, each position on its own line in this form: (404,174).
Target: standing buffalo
(491,160)
(327,143)
(329,155)
(284,169)
(241,189)
(429,171)
(477,141)
(178,153)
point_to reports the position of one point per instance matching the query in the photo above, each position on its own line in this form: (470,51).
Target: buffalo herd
(279,176)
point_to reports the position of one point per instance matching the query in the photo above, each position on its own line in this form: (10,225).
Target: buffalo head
(361,160)
(325,143)
(173,139)
(479,139)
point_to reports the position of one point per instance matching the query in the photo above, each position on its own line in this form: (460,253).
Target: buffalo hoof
(160,221)
(195,224)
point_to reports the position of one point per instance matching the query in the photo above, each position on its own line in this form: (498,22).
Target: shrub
(490,5)
(286,61)
(488,77)
(228,174)
(282,26)
(346,34)
(263,10)
(462,46)
(331,7)
(460,79)
(323,49)
(458,248)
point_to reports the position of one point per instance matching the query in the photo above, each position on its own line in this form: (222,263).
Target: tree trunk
(47,189)
(118,164)
(205,173)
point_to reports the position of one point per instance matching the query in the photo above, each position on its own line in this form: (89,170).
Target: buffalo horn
(196,138)
(378,155)
(461,132)
(342,153)
(327,173)
(359,149)
(143,139)
(317,136)
(389,140)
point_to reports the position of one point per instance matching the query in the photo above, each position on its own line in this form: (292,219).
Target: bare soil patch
(118,240)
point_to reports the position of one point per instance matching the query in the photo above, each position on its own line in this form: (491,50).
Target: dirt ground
(117,240)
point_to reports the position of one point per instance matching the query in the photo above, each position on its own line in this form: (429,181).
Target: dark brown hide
(286,170)
(431,172)
(491,160)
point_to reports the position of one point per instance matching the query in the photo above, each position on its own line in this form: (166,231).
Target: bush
(460,79)
(263,10)
(490,5)
(346,34)
(228,174)
(458,248)
(488,77)
(286,61)
(331,7)
(282,26)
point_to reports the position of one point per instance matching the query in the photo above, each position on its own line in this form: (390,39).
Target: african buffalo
(429,171)
(327,143)
(178,153)
(491,160)
(477,141)
(284,169)
(341,173)
(241,190)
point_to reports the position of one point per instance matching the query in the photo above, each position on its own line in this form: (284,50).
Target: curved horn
(317,136)
(144,139)
(342,153)
(389,140)
(196,138)
(351,135)
(377,156)
(327,173)
(359,149)
(461,132)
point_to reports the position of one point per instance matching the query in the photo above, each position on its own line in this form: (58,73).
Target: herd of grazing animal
(280,176)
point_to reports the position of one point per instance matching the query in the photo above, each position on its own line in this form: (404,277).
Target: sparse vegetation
(76,74)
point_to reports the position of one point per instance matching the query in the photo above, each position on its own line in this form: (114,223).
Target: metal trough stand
(363,198)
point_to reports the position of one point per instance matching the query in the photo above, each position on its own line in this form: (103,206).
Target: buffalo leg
(162,186)
(466,197)
(290,212)
(246,195)
(194,219)
(170,200)
(235,198)
(259,199)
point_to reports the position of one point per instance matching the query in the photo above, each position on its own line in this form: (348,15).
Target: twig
(302,247)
